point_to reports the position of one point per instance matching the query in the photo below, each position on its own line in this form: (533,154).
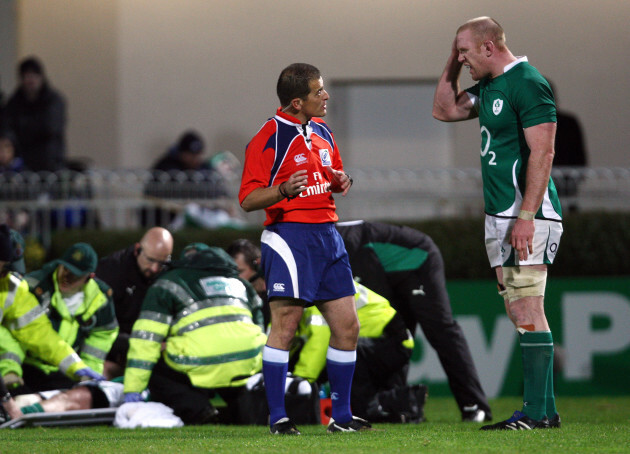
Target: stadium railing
(39,203)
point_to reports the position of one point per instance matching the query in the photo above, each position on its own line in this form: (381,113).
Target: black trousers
(382,364)
(420,297)
(431,308)
(191,403)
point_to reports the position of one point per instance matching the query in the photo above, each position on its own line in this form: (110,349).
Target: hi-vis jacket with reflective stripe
(91,330)
(374,313)
(24,320)
(209,319)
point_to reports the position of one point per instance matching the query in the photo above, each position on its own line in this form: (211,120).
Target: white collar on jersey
(514,63)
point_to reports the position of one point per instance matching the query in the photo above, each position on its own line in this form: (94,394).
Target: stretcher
(65,418)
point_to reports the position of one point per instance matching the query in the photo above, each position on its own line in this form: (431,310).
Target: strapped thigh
(523,281)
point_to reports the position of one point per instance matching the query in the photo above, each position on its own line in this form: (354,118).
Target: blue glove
(87,372)
(133,397)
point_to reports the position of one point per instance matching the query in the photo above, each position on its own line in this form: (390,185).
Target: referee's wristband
(349,178)
(5,398)
(526,215)
(284,193)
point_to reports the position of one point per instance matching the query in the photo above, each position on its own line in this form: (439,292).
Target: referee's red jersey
(282,147)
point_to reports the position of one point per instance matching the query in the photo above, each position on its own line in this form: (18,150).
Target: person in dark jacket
(36,115)
(181,173)
(130,272)
(405,266)
(9,162)
(186,154)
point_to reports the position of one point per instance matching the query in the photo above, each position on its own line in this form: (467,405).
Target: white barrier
(38,203)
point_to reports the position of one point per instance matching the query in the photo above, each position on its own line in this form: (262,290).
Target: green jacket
(374,313)
(24,326)
(91,330)
(206,319)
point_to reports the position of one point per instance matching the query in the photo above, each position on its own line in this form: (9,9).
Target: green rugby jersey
(517,99)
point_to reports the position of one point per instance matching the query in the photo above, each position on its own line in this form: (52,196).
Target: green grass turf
(590,424)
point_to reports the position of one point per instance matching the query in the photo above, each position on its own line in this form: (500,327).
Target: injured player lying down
(84,396)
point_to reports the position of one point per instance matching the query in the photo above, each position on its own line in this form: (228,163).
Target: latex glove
(133,397)
(12,380)
(88,374)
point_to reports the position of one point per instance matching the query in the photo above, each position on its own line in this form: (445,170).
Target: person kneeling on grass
(199,334)
(379,386)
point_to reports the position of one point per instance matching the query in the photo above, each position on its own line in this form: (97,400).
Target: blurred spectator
(8,161)
(3,108)
(130,272)
(36,114)
(186,154)
(570,153)
(10,165)
(183,173)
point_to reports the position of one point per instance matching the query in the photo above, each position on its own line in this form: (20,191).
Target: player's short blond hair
(485,28)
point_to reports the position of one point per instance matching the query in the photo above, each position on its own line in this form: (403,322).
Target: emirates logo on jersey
(497,105)
(320,188)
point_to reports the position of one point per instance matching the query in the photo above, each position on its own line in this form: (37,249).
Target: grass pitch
(590,424)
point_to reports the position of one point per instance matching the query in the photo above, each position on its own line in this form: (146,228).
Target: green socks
(537,355)
(35,408)
(551,399)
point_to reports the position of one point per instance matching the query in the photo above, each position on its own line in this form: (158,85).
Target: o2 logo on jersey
(324,155)
(299,158)
(486,149)
(497,106)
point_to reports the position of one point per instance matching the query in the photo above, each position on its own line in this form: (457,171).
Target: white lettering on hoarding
(581,340)
(491,357)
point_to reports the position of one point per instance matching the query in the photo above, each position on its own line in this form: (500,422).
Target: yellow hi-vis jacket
(24,321)
(374,312)
(203,321)
(91,330)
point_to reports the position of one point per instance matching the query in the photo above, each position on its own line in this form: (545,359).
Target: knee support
(522,281)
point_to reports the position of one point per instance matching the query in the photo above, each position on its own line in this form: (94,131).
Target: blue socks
(275,368)
(340,367)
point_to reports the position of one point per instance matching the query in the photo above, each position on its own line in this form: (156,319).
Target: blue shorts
(305,261)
